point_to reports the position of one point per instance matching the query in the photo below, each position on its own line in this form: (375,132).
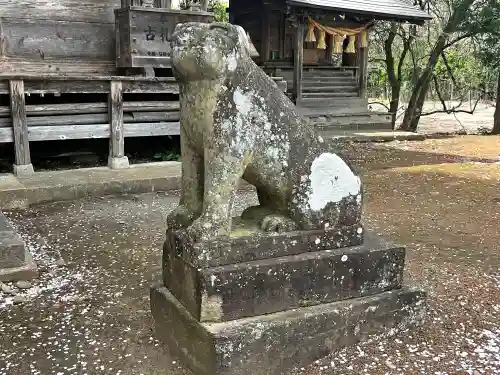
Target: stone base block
(27,271)
(118,163)
(25,170)
(276,343)
(236,291)
(16,262)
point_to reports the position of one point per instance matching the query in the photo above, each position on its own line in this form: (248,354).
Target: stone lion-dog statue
(236,123)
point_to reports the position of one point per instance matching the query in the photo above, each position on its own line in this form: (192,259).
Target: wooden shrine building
(320,47)
(101,68)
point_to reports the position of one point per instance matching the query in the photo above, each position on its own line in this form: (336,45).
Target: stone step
(332,110)
(329,124)
(276,343)
(352,118)
(332,131)
(329,89)
(328,95)
(328,81)
(280,283)
(335,105)
(327,73)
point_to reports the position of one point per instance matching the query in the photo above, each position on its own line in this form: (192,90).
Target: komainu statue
(236,123)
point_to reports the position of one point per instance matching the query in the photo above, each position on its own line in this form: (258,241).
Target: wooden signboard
(143,34)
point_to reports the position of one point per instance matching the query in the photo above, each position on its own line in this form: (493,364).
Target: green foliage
(166,156)
(218,7)
(488,43)
(219,10)
(470,58)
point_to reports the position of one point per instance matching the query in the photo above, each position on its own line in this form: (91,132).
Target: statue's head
(207,51)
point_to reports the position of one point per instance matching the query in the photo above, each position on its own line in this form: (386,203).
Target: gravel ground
(90,313)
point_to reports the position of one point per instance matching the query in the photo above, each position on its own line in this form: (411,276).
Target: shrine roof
(393,10)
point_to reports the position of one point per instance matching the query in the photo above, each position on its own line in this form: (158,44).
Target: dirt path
(441,199)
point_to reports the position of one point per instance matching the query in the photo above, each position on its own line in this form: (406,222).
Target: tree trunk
(394,104)
(417,99)
(393,72)
(496,117)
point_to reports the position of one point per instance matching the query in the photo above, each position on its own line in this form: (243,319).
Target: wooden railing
(116,119)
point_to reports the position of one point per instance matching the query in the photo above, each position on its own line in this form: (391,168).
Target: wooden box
(143,34)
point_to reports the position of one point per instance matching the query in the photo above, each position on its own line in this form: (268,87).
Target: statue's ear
(239,39)
(242,42)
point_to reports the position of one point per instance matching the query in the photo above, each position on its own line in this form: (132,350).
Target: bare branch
(380,103)
(436,86)
(448,68)
(458,39)
(454,109)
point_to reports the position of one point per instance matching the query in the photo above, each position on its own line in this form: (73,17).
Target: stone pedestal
(265,304)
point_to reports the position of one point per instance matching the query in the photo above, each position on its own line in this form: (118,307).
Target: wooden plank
(95,118)
(150,61)
(148,106)
(40,39)
(152,129)
(65,10)
(96,87)
(144,87)
(265,45)
(66,87)
(298,61)
(20,128)
(6,135)
(81,66)
(69,119)
(153,116)
(48,133)
(117,141)
(4,87)
(89,108)
(86,77)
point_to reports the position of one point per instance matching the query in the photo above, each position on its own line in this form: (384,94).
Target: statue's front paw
(180,218)
(278,223)
(202,230)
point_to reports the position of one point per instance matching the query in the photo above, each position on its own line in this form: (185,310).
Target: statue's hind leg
(271,214)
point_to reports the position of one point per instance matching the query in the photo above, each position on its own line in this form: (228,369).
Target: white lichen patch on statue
(242,101)
(331,181)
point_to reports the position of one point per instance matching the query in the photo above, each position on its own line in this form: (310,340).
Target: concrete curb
(42,187)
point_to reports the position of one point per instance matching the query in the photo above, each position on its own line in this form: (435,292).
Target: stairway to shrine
(331,100)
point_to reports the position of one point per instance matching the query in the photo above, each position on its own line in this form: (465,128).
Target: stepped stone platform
(263,303)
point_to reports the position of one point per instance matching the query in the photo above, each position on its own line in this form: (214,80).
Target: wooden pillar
(22,166)
(117,158)
(363,71)
(265,49)
(330,43)
(298,62)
